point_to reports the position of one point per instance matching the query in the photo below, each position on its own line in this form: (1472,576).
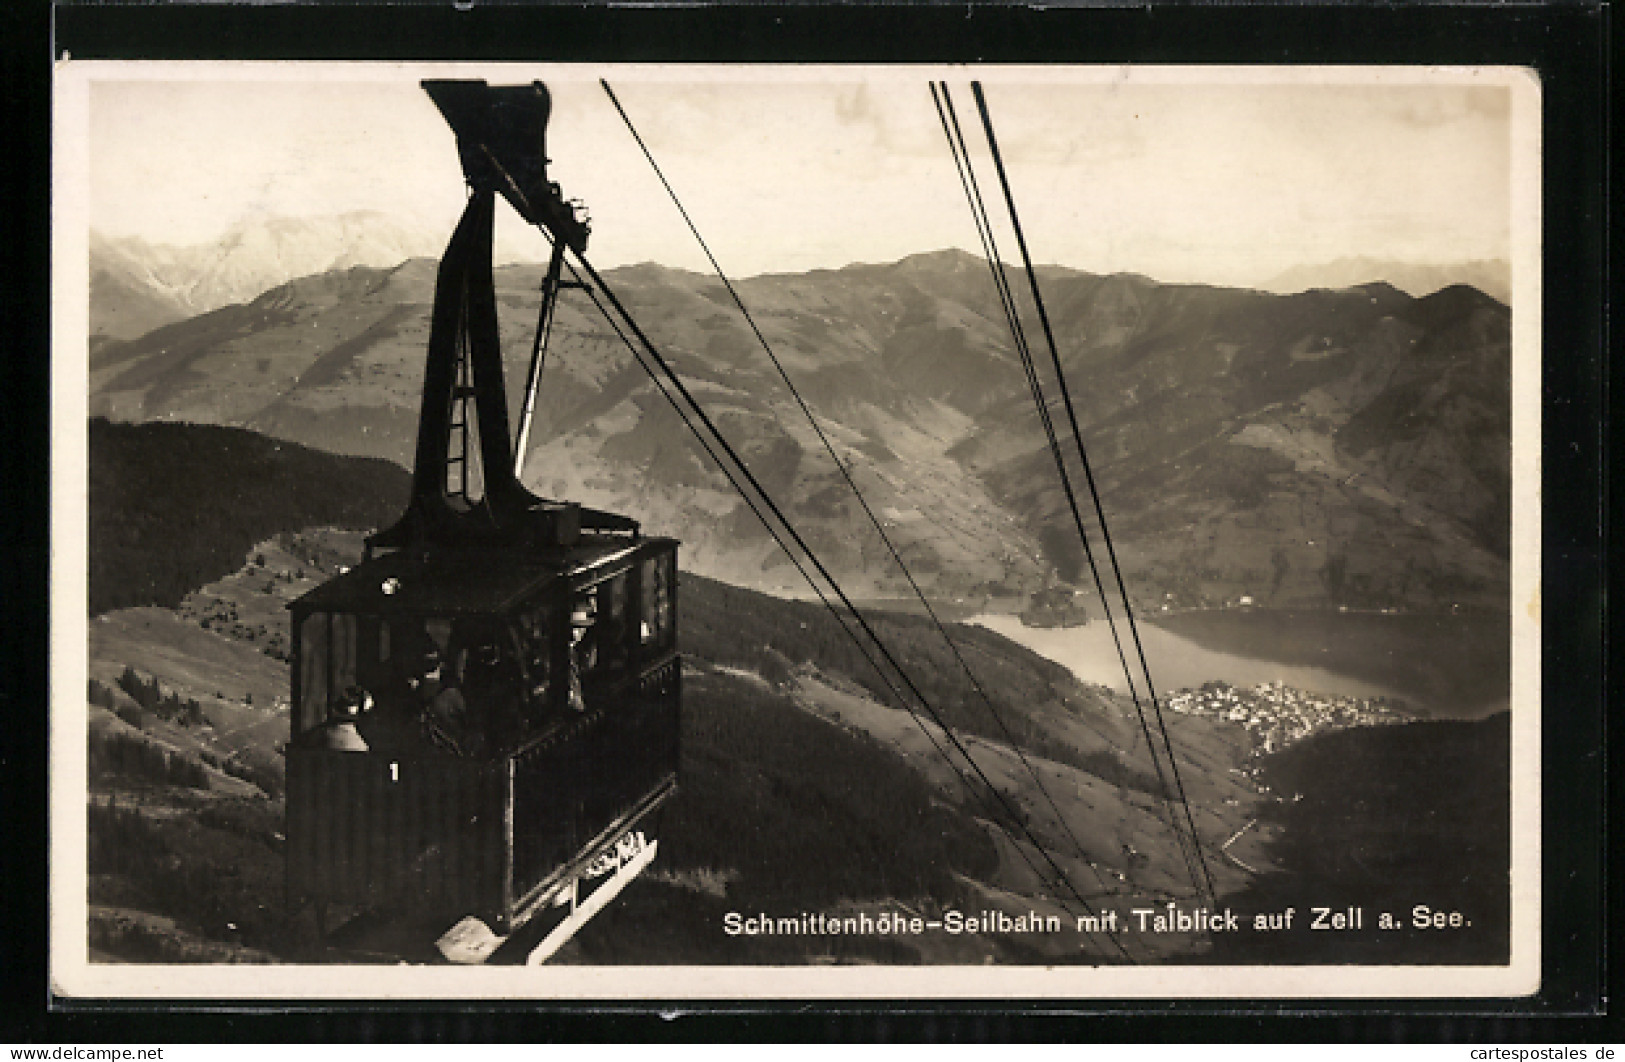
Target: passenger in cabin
(353,703)
(438,703)
(583,647)
(346,716)
(545,702)
(583,620)
(535,659)
(395,723)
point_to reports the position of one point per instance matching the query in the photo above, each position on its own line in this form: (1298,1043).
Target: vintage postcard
(561,532)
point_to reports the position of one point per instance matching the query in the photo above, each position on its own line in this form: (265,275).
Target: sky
(1183,175)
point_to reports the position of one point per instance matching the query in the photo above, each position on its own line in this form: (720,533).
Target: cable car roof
(473,582)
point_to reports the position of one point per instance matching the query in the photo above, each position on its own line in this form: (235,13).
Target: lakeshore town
(1277,715)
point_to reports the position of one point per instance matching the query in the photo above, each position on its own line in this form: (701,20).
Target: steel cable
(1077,434)
(846,475)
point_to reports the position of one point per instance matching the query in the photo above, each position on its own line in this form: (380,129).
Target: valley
(804,790)
(1312,478)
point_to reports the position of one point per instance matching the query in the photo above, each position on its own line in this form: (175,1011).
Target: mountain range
(1335,447)
(1493,276)
(136,286)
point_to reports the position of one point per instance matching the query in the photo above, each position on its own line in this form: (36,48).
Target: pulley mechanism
(466,489)
(502,141)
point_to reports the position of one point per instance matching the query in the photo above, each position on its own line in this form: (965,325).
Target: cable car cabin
(469,733)
(490,701)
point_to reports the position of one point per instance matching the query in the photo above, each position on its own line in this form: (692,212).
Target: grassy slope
(1030,700)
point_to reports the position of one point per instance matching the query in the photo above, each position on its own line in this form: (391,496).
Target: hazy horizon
(521,258)
(1185,176)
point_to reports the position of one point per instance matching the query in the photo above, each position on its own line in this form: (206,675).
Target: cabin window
(312,670)
(342,641)
(610,633)
(656,628)
(487,667)
(327,664)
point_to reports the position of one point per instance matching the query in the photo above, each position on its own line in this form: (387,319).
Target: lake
(1443,666)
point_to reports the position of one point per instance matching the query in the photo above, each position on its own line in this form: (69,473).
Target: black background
(1571,45)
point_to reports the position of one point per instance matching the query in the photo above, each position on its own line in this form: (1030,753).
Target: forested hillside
(1386,818)
(176,506)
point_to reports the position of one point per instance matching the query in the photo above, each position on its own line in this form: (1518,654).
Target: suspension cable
(846,475)
(1083,457)
(984,231)
(960,152)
